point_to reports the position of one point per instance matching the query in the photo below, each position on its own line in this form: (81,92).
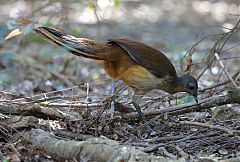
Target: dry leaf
(24,21)
(14,33)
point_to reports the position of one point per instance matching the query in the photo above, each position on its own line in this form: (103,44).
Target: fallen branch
(230,98)
(237,159)
(21,122)
(32,110)
(97,149)
(229,131)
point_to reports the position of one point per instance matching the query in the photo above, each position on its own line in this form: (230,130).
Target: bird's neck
(178,85)
(170,84)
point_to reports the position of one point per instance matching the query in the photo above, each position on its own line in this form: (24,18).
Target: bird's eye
(191,86)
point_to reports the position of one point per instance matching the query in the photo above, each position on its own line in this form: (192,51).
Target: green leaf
(91,5)
(78,30)
(187,99)
(171,145)
(6,160)
(116,3)
(78,1)
(48,23)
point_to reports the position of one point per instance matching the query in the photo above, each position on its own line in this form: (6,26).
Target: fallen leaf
(223,151)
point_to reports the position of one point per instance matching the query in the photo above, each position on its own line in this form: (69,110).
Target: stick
(231,97)
(225,71)
(229,131)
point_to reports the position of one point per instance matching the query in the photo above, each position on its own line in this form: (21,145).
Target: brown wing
(153,60)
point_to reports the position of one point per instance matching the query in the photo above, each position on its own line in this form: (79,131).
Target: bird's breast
(141,79)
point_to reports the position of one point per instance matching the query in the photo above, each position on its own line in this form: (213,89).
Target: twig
(8,95)
(235,76)
(237,159)
(231,97)
(196,137)
(5,133)
(107,104)
(225,71)
(153,147)
(182,153)
(97,16)
(161,139)
(11,146)
(54,73)
(72,135)
(100,113)
(218,46)
(74,105)
(165,152)
(42,7)
(229,131)
(42,95)
(143,125)
(87,92)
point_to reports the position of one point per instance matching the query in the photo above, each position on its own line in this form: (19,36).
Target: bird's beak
(196,99)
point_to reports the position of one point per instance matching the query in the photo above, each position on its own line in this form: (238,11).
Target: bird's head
(187,83)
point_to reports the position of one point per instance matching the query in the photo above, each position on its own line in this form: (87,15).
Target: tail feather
(77,46)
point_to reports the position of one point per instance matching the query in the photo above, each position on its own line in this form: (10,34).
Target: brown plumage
(140,66)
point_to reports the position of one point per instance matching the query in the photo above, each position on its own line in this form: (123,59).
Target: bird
(138,65)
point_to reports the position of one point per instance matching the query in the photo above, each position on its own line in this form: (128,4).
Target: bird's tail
(77,46)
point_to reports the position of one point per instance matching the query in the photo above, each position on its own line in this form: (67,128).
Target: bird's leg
(136,101)
(113,103)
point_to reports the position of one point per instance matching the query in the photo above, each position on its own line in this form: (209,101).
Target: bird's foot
(146,131)
(150,131)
